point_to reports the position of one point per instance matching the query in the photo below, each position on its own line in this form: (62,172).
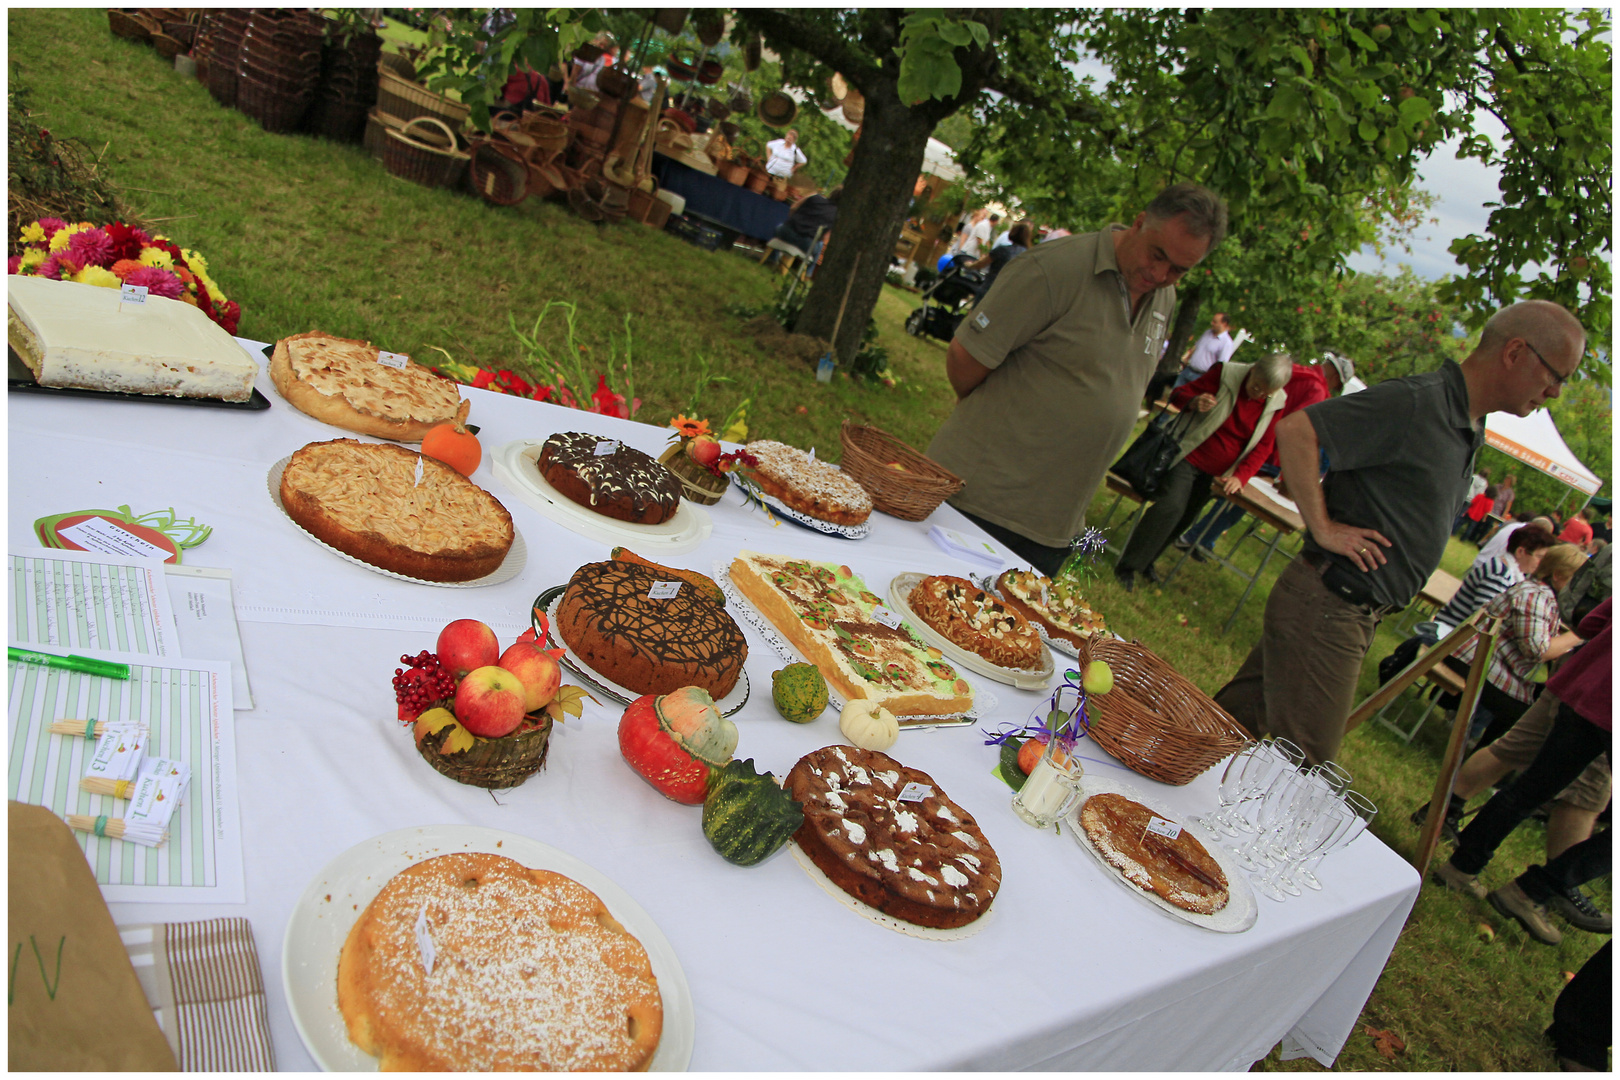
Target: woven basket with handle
(492,763)
(697,483)
(1154,720)
(408,100)
(910,494)
(412,157)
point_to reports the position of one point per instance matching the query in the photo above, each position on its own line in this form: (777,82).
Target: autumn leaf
(1387,1043)
(568,700)
(436,720)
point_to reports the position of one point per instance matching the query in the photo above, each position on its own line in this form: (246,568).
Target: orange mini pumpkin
(453,444)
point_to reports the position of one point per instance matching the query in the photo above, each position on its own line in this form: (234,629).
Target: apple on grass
(489,702)
(537,669)
(467,644)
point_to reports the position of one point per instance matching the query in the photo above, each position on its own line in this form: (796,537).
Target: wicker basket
(335,119)
(392,61)
(492,763)
(408,100)
(167,47)
(758,180)
(378,125)
(697,483)
(495,176)
(647,208)
(910,495)
(273,107)
(1154,720)
(132,25)
(732,173)
(412,157)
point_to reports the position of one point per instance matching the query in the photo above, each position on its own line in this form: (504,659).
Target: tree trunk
(1189,300)
(871,213)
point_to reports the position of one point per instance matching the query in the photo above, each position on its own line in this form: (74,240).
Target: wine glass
(1272,812)
(1314,828)
(1362,812)
(1273,758)
(1335,775)
(1231,790)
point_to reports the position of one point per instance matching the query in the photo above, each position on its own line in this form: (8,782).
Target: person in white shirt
(783,156)
(977,238)
(1214,346)
(583,73)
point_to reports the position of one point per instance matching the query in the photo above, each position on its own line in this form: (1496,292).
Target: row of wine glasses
(1299,815)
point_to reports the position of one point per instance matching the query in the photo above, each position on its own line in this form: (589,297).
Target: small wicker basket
(492,763)
(132,25)
(697,483)
(1154,720)
(910,495)
(495,175)
(411,157)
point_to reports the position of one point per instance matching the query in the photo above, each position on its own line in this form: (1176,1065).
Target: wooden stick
(73,727)
(114,827)
(1429,838)
(101,785)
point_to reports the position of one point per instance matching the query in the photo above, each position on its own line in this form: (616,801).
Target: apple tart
(368,501)
(348,384)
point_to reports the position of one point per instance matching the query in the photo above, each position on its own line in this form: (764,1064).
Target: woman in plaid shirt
(1527,639)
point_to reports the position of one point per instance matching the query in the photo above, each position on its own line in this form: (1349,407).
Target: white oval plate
(515,464)
(900,587)
(324,914)
(511,566)
(1241,908)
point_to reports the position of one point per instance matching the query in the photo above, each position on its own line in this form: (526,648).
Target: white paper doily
(927,933)
(984,702)
(1024,679)
(511,566)
(729,705)
(1241,908)
(848,532)
(515,466)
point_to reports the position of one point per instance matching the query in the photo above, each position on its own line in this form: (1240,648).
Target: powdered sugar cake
(809,486)
(1180,870)
(925,861)
(529,971)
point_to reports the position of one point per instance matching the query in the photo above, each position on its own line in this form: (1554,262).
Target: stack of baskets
(219,43)
(348,87)
(279,66)
(910,492)
(415,132)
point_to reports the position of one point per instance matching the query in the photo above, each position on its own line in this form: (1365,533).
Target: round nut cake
(365,500)
(624,483)
(974,620)
(529,971)
(344,383)
(925,861)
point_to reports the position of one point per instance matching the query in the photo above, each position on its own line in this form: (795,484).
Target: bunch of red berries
(425,685)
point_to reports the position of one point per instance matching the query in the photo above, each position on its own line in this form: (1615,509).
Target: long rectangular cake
(825,611)
(73,335)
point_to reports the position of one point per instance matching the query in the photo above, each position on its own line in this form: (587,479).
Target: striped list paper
(84,600)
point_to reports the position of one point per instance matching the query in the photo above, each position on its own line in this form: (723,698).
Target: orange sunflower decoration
(688,428)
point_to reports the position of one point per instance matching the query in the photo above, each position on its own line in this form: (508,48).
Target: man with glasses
(1401,455)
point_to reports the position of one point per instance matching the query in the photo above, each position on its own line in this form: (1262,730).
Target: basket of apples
(482,716)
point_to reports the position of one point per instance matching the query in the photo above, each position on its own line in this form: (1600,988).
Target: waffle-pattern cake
(1057,607)
(367,500)
(651,646)
(347,384)
(529,971)
(974,620)
(621,483)
(811,487)
(825,612)
(923,861)
(1180,870)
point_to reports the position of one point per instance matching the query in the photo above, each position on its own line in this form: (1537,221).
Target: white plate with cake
(807,491)
(517,465)
(1199,884)
(731,701)
(978,620)
(463,557)
(341,894)
(1059,612)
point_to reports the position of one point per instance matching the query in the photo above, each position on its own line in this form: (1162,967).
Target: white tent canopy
(938,160)
(1534,440)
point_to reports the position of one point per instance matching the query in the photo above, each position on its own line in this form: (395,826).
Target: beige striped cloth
(202,980)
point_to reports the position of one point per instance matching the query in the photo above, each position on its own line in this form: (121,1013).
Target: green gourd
(799,692)
(747,815)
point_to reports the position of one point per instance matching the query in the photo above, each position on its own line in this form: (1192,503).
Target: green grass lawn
(307,234)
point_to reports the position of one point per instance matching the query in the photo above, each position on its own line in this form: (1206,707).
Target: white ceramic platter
(900,588)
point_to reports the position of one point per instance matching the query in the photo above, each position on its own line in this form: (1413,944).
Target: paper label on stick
(158,789)
(887,616)
(606,447)
(1160,827)
(118,752)
(132,294)
(424,941)
(915,792)
(664,590)
(397,360)
(99,534)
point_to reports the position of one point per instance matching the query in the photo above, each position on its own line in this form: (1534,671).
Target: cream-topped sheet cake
(73,335)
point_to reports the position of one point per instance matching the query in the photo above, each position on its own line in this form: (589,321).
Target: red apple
(705,451)
(467,644)
(535,668)
(489,702)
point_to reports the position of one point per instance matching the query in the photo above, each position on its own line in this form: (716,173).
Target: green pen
(84,664)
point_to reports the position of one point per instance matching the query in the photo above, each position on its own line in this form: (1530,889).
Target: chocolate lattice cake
(925,862)
(624,483)
(649,646)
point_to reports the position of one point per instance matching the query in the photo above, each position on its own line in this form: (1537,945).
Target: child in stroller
(946,300)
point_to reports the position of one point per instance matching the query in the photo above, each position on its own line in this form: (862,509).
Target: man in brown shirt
(1049,367)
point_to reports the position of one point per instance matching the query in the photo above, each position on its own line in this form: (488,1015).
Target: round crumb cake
(809,486)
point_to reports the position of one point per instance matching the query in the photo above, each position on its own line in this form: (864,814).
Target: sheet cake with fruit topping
(825,612)
(923,861)
(345,383)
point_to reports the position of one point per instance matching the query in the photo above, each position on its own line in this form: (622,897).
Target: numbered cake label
(606,447)
(915,792)
(887,616)
(1160,827)
(664,590)
(132,294)
(394,360)
(424,941)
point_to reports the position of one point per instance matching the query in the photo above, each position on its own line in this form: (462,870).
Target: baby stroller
(944,301)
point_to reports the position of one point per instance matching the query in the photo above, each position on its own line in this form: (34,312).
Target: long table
(1069,971)
(729,205)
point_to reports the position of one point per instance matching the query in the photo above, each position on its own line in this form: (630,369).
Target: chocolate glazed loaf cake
(646,645)
(623,483)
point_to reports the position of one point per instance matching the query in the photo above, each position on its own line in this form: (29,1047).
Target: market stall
(729,205)
(1069,970)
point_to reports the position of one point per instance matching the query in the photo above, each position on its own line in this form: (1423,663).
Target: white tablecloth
(1071,972)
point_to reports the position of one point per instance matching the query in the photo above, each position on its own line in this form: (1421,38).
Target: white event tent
(1534,440)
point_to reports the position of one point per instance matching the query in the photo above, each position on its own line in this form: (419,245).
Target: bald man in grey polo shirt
(1400,458)
(1049,367)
